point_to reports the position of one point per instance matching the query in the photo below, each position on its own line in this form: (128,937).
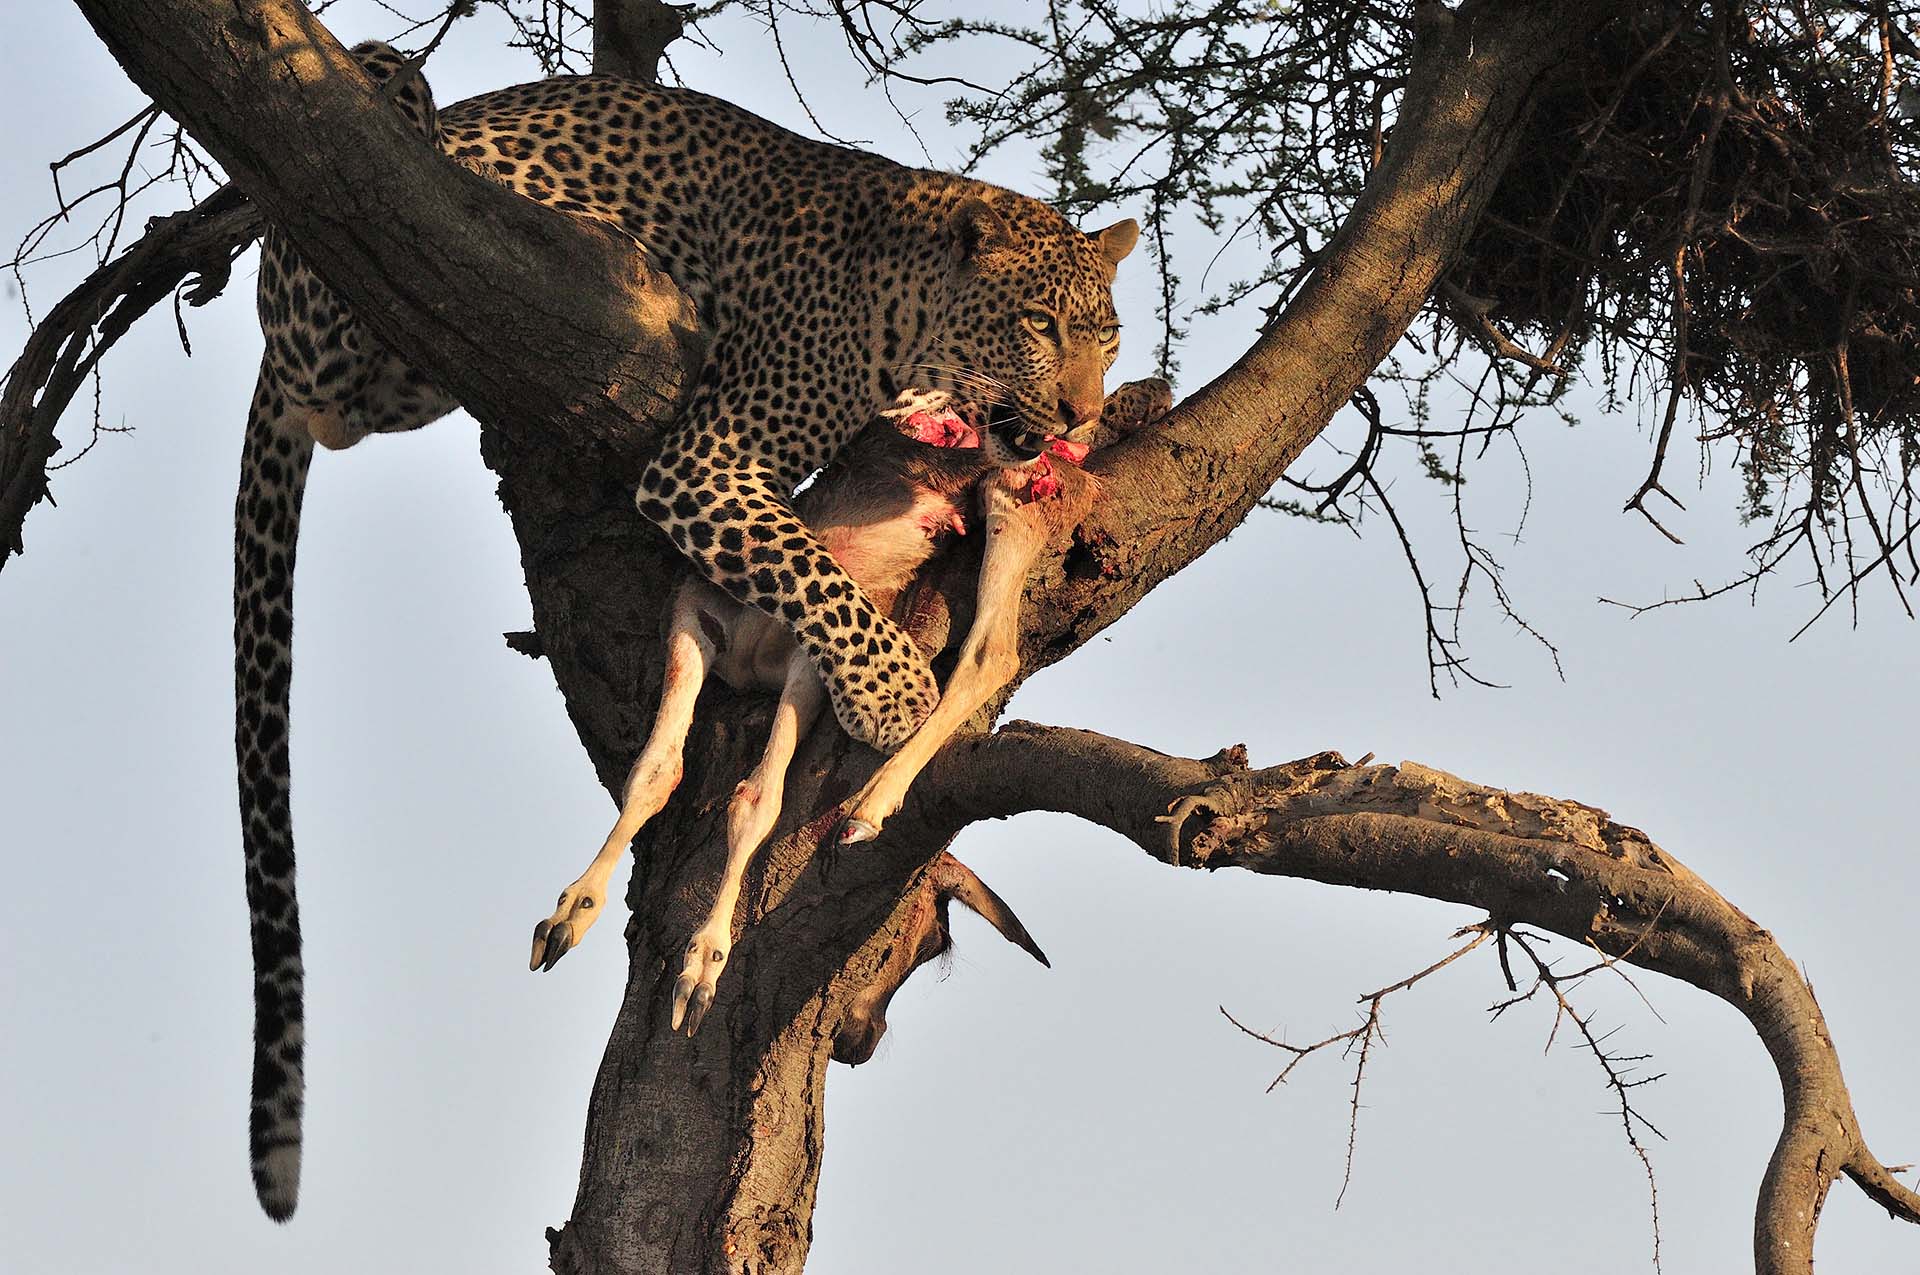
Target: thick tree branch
(1526,859)
(1175,491)
(539,323)
(551,329)
(532,318)
(630,38)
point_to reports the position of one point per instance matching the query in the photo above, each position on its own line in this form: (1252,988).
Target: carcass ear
(957,881)
(1117,240)
(979,229)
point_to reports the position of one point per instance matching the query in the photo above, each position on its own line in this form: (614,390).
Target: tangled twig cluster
(1719,200)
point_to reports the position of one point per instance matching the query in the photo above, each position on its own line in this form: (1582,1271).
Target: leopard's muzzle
(1015,435)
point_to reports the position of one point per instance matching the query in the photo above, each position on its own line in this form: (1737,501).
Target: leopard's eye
(1109,334)
(1042,323)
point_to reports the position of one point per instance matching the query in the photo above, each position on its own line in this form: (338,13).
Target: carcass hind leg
(651,781)
(750,817)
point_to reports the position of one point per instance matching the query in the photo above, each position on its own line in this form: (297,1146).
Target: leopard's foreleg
(729,513)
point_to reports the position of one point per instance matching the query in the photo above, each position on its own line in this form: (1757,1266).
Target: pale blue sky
(1101,1115)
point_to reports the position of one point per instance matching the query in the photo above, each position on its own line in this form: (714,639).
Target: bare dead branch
(1360,1040)
(1616,1067)
(77,333)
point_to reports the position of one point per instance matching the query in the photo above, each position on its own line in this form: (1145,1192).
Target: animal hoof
(693,990)
(551,941)
(695,1011)
(857,830)
(579,907)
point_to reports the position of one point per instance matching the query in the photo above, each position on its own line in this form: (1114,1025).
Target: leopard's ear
(979,229)
(1117,240)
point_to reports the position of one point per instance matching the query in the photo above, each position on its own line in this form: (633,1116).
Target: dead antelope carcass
(881,508)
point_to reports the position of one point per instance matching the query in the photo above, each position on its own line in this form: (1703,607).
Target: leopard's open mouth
(1012,432)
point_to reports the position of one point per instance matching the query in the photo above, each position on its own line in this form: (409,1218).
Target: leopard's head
(1031,329)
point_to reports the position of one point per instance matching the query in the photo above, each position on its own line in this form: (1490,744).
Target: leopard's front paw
(882,700)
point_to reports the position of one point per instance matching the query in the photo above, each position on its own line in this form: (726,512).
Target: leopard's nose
(1075,414)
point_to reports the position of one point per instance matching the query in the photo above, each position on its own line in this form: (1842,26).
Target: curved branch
(1542,861)
(76,334)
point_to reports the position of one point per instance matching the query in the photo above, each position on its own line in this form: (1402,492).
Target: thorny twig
(1618,1068)
(1360,1040)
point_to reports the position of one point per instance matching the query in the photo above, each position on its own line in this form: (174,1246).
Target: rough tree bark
(703,1155)
(630,37)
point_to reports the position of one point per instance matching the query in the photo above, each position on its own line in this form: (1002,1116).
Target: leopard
(825,280)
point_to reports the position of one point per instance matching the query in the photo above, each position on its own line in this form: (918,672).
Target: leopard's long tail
(298,398)
(266,526)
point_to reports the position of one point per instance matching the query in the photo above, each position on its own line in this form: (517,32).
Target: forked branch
(1358,1042)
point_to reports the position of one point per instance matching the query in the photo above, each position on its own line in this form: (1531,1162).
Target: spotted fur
(827,280)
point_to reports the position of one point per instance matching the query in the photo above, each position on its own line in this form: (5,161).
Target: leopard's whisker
(990,388)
